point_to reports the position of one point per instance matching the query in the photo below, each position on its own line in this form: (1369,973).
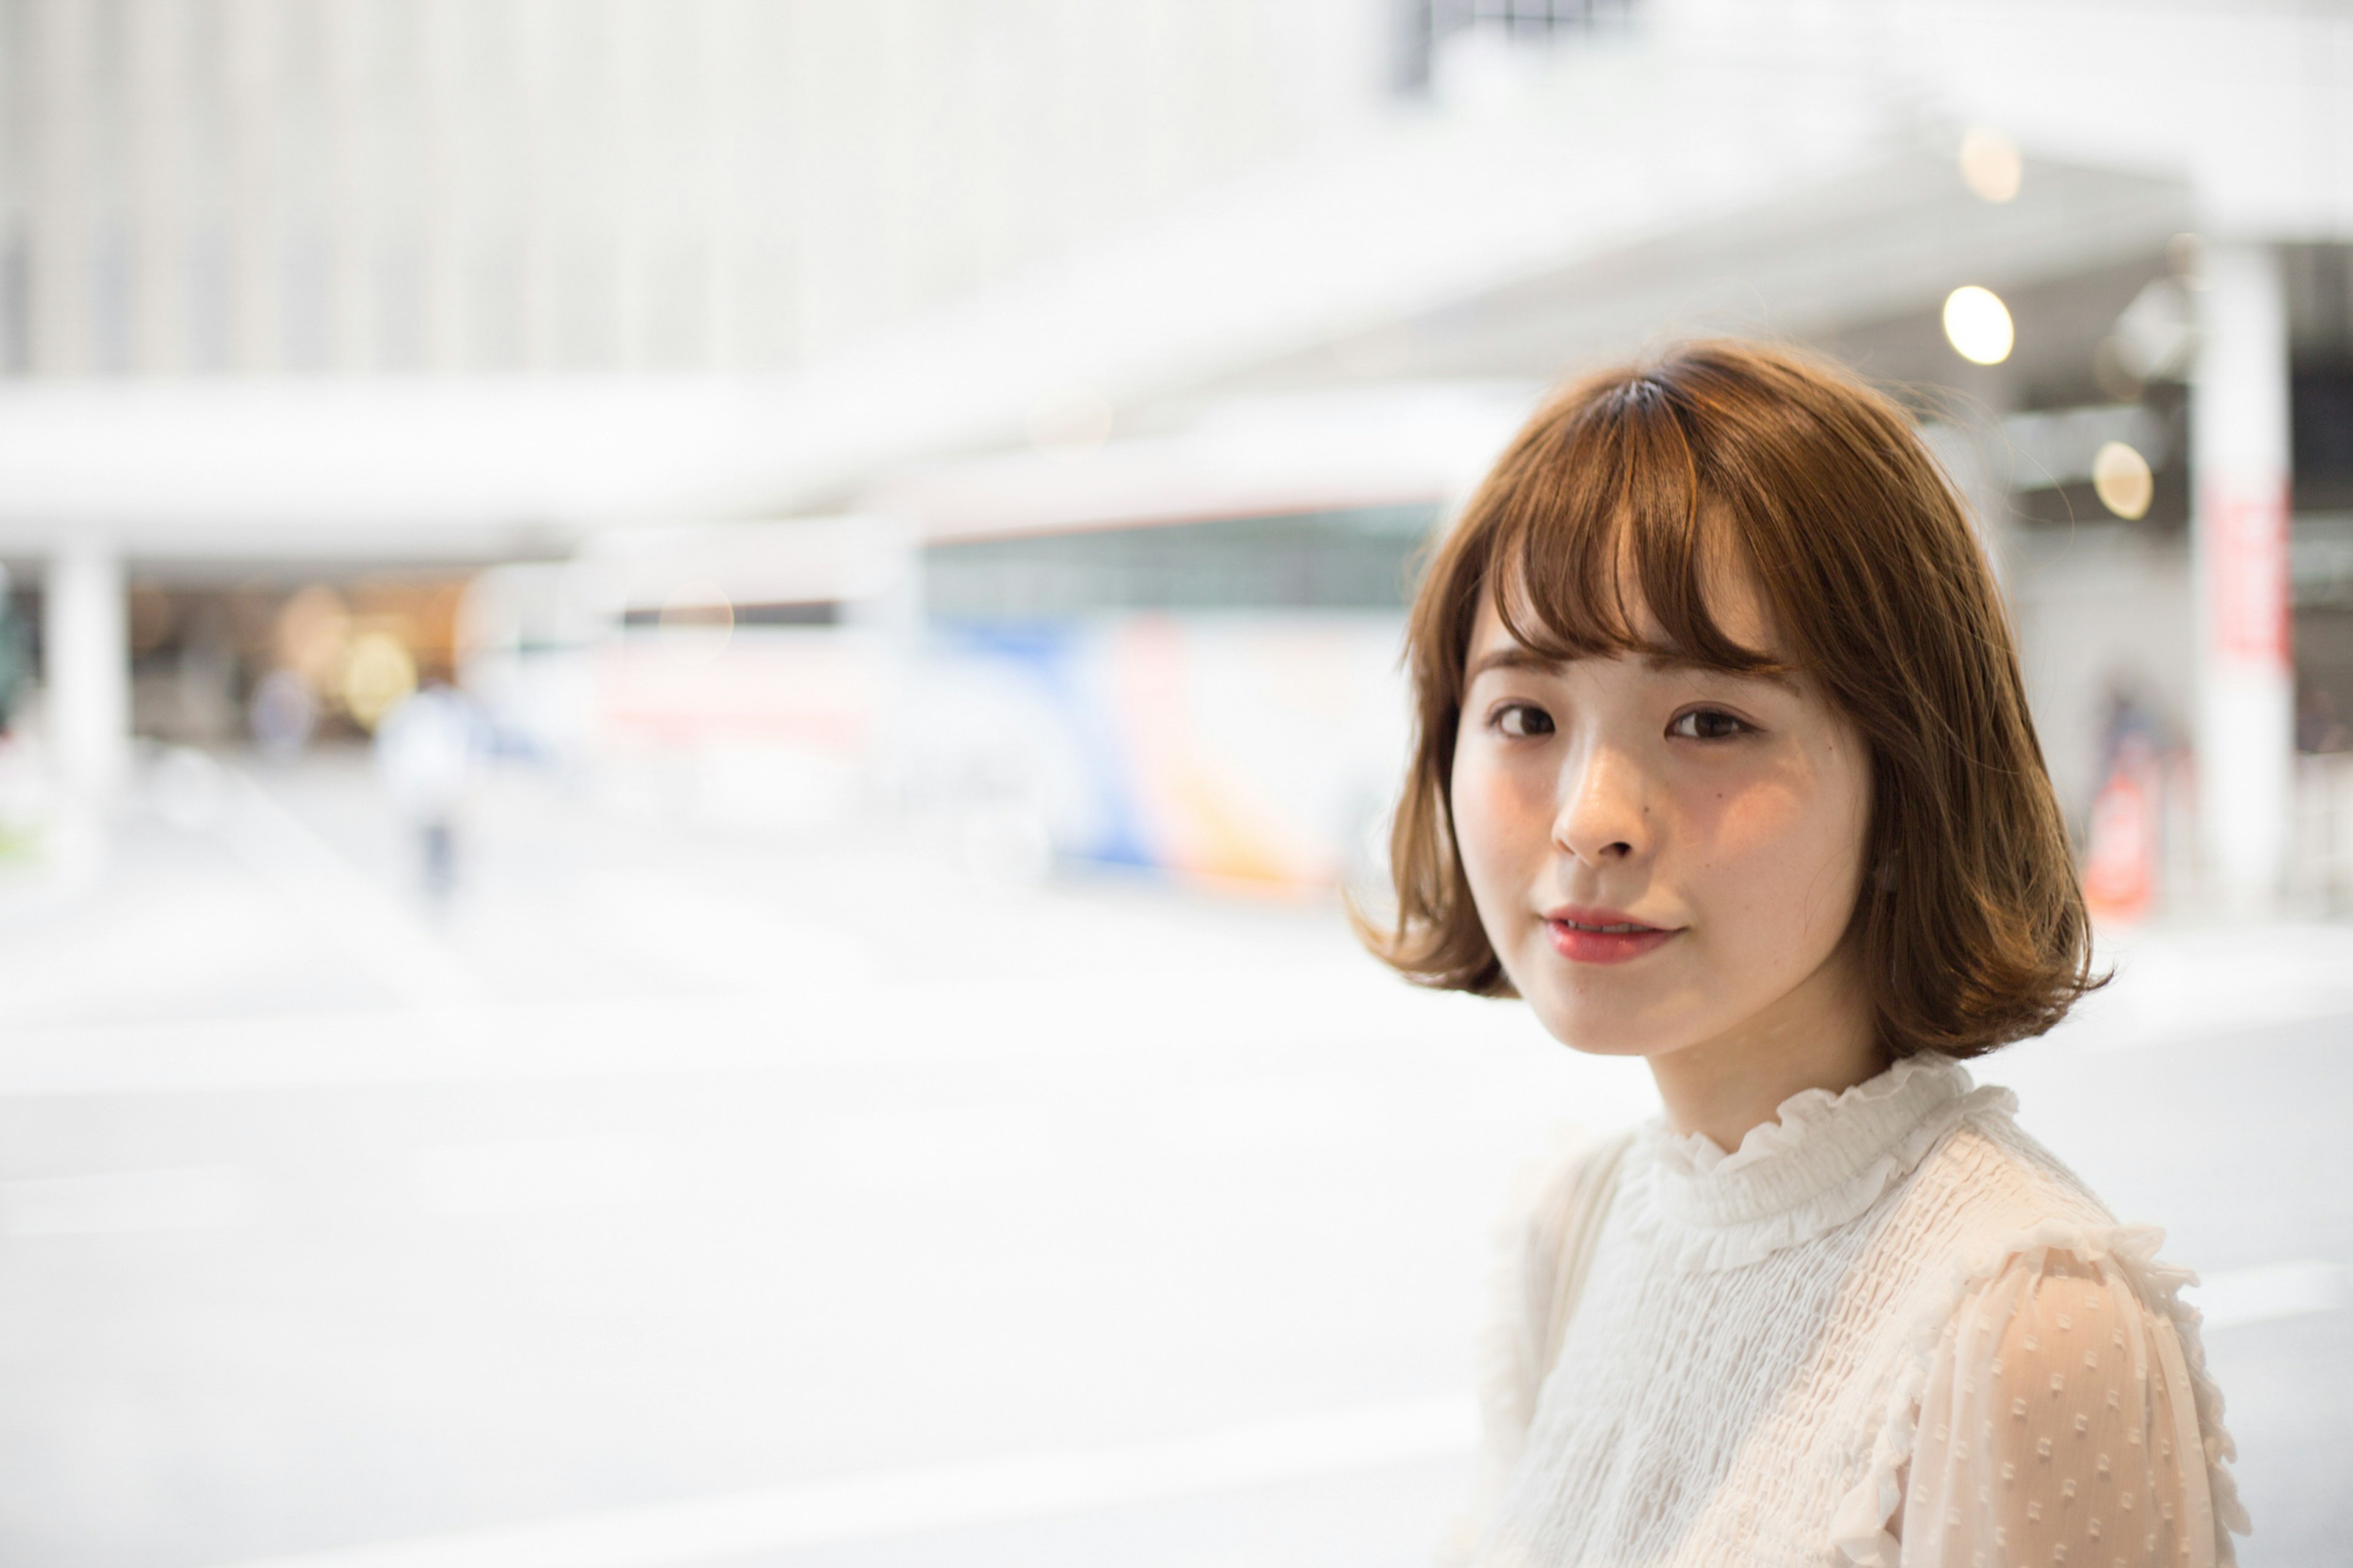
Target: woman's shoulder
(1989,1198)
(1986,1178)
(2018,1261)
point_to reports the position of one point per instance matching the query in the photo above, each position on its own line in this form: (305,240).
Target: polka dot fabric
(1889,1329)
(2060,1427)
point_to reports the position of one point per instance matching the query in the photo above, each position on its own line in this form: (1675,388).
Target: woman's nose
(1605,809)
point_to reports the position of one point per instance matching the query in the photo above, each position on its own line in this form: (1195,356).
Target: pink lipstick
(1584,935)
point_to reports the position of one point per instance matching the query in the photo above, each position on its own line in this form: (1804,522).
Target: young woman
(1723,761)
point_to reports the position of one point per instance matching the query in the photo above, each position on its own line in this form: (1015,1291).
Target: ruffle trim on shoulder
(1858,1529)
(1702,1247)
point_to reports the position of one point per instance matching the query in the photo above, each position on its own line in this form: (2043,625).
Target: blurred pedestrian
(282,715)
(2125,841)
(428,749)
(1723,761)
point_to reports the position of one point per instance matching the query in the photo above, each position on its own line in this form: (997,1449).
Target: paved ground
(683,1198)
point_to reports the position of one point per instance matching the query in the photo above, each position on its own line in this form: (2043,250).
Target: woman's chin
(1598,1032)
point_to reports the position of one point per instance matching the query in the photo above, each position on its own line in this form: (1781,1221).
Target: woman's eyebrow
(1772,674)
(1514,656)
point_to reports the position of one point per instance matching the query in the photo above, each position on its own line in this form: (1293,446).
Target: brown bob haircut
(1616,498)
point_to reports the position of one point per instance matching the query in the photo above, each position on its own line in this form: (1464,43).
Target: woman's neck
(1820,1035)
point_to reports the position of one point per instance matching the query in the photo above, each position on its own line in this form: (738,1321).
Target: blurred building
(373,292)
(483,187)
(369,292)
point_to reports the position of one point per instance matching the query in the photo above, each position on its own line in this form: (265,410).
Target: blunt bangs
(1616,558)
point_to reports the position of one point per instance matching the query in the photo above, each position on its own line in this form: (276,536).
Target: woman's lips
(1602,936)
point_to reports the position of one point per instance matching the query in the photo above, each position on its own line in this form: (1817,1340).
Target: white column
(2238,456)
(86,669)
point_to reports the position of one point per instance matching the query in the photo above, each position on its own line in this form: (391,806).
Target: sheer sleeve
(2059,1425)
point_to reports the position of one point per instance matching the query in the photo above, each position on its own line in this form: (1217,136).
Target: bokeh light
(312,631)
(1978,325)
(379,672)
(2121,479)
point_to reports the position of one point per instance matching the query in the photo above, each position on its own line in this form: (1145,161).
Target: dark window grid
(795,613)
(1344,561)
(1422,25)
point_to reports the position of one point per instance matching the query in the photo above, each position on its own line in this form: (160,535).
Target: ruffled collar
(1825,1160)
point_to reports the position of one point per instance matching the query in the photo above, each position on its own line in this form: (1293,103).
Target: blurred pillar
(2239,455)
(85,669)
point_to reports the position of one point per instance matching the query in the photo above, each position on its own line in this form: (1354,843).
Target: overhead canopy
(1886,241)
(1513,247)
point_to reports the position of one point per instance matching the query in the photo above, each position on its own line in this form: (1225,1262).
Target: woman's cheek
(1493,820)
(1784,854)
(1757,851)
(1472,794)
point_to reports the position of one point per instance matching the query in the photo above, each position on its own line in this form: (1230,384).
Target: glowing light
(313,630)
(1991,165)
(2121,479)
(377,674)
(1978,325)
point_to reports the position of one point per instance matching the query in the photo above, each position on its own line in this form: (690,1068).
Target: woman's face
(1664,856)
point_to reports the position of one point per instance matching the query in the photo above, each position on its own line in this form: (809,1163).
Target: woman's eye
(1519,719)
(1706,724)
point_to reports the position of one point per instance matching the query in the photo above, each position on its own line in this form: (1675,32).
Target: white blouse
(1889,1329)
